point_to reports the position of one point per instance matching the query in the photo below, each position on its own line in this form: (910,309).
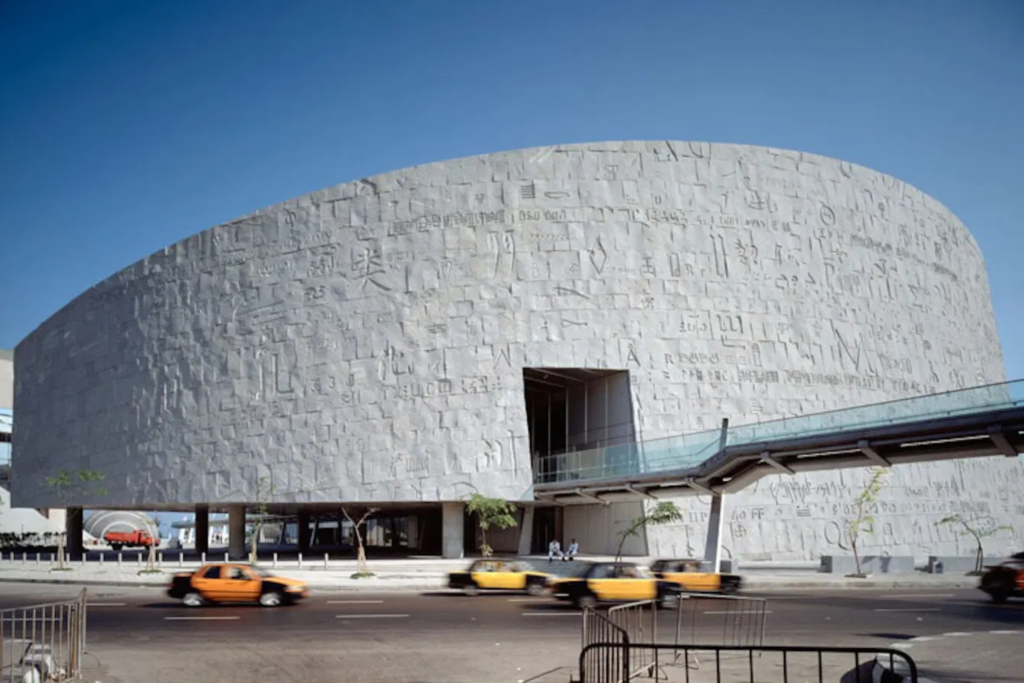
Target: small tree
(664,512)
(68,486)
(862,521)
(491,512)
(361,568)
(973,528)
(264,491)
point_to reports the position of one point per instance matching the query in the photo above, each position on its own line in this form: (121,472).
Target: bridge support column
(202,529)
(73,531)
(303,531)
(526,531)
(713,548)
(236,532)
(453,523)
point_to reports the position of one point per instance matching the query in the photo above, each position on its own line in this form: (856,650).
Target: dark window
(212,573)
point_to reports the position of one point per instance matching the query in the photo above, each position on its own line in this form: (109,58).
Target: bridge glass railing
(680,453)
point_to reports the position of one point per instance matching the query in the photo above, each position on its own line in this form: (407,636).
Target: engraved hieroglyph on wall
(366,342)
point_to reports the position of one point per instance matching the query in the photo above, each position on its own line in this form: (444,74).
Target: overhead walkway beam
(978,422)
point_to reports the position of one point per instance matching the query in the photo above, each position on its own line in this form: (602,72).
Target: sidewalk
(962,657)
(424,574)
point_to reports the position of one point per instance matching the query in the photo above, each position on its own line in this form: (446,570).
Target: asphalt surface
(451,637)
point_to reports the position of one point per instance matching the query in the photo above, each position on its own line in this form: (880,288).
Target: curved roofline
(598,146)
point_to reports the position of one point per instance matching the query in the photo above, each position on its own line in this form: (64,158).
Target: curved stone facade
(366,342)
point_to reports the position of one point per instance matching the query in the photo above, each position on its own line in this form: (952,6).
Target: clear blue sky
(126,126)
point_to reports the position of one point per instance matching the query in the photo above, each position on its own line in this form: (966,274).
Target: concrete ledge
(959,565)
(769,583)
(869,564)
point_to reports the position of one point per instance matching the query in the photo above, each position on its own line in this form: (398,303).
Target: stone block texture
(366,342)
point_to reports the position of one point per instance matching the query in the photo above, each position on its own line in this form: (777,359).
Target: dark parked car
(1006,580)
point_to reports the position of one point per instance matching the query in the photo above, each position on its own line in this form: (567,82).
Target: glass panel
(687,451)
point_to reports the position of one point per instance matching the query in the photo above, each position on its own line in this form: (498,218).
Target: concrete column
(73,529)
(412,532)
(236,532)
(452,530)
(202,529)
(303,531)
(713,549)
(526,531)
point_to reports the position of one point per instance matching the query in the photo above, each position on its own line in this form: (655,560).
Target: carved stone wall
(366,342)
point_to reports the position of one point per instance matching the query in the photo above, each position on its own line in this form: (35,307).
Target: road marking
(106,604)
(956,634)
(371,616)
(922,595)
(1005,633)
(529,599)
(551,614)
(911,609)
(752,613)
(354,602)
(202,618)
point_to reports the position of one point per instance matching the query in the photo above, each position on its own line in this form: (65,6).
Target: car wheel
(535,589)
(999,596)
(193,600)
(471,589)
(586,602)
(270,599)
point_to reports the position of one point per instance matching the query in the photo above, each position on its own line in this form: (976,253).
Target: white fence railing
(43,642)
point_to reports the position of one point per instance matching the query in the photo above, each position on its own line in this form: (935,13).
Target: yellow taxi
(597,582)
(688,576)
(491,574)
(217,583)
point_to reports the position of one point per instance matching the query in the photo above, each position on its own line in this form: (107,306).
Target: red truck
(130,539)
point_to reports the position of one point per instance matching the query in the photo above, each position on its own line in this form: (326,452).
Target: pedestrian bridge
(968,423)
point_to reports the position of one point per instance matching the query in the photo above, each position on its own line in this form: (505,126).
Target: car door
(602,583)
(207,581)
(632,584)
(486,575)
(239,584)
(688,576)
(513,577)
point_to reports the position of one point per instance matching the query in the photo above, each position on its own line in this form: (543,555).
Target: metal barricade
(603,667)
(635,622)
(640,622)
(43,642)
(750,664)
(731,620)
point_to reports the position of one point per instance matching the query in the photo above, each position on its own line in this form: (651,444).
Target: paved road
(449,637)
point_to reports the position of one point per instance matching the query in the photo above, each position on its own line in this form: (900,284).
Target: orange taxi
(220,583)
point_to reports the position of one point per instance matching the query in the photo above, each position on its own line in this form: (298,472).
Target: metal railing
(733,620)
(689,450)
(749,664)
(43,642)
(603,666)
(640,622)
(635,622)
